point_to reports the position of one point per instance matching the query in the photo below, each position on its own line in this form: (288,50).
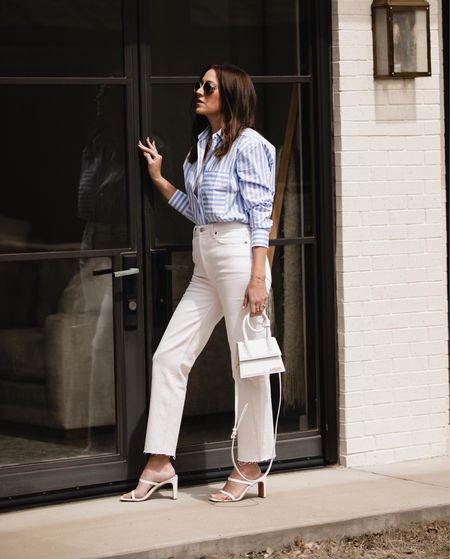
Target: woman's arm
(256,292)
(256,172)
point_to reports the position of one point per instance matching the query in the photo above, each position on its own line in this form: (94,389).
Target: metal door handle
(129,272)
(118,274)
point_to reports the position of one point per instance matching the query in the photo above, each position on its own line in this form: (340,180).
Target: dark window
(63,165)
(61,38)
(256,35)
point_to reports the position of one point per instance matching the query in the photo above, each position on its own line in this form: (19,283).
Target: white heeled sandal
(261,481)
(154,486)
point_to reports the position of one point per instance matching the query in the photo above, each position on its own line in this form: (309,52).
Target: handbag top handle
(265,324)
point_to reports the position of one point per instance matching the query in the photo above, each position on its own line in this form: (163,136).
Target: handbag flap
(258,349)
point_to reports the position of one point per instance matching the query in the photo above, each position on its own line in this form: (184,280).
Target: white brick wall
(391,250)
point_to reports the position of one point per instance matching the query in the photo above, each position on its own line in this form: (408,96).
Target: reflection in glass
(102,188)
(65,167)
(261,37)
(57,390)
(63,38)
(409,29)
(290,314)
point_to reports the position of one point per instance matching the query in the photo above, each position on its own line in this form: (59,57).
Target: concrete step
(313,504)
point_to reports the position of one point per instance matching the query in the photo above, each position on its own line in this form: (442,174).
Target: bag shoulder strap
(237,422)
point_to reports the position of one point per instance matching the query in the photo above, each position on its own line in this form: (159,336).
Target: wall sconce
(401,38)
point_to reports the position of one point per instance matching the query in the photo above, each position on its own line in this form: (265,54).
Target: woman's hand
(154,159)
(256,296)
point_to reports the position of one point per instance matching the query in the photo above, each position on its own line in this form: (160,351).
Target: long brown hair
(238,100)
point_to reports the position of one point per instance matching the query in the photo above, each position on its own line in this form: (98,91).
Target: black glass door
(93,261)
(273,41)
(72,344)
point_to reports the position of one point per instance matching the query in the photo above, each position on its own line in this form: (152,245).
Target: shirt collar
(206,132)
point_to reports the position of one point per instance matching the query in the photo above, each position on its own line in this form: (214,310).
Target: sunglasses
(208,87)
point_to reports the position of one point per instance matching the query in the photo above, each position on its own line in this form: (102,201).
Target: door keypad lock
(128,275)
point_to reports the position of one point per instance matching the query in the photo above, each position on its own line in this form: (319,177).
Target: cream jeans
(222,266)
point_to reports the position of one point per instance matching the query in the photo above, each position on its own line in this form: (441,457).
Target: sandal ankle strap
(148,482)
(242,481)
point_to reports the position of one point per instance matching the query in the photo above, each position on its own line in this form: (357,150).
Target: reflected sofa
(56,370)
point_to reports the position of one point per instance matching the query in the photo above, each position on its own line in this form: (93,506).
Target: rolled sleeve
(256,174)
(180,202)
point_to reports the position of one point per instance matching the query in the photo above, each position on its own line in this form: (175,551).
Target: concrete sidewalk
(314,504)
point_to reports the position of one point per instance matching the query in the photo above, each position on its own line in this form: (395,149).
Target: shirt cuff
(178,200)
(260,237)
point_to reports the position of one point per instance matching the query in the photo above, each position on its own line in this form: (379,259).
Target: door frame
(87,476)
(216,458)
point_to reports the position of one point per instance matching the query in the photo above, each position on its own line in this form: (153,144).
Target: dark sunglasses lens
(208,88)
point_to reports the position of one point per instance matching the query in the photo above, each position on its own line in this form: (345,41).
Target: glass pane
(277,112)
(409,29)
(284,118)
(65,167)
(61,38)
(293,318)
(57,388)
(261,37)
(381,39)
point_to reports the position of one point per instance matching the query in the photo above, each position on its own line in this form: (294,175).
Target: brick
(389,203)
(393,380)
(412,453)
(357,263)
(429,377)
(387,426)
(358,353)
(390,143)
(418,363)
(352,430)
(409,305)
(378,396)
(356,413)
(410,335)
(380,337)
(408,217)
(393,410)
(393,440)
(358,444)
(438,333)
(420,142)
(430,436)
(438,361)
(438,390)
(376,366)
(438,420)
(409,157)
(353,399)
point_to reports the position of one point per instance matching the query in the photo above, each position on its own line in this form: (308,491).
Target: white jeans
(223,259)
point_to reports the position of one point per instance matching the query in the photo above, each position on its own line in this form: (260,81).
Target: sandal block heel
(262,489)
(154,486)
(175,487)
(248,484)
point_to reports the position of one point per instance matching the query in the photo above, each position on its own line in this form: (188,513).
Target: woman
(230,182)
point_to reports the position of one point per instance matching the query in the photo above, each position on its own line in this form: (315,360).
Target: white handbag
(257,357)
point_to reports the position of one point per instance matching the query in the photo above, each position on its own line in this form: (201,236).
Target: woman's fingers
(151,149)
(245,302)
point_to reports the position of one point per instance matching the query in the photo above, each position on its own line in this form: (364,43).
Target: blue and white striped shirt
(238,187)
